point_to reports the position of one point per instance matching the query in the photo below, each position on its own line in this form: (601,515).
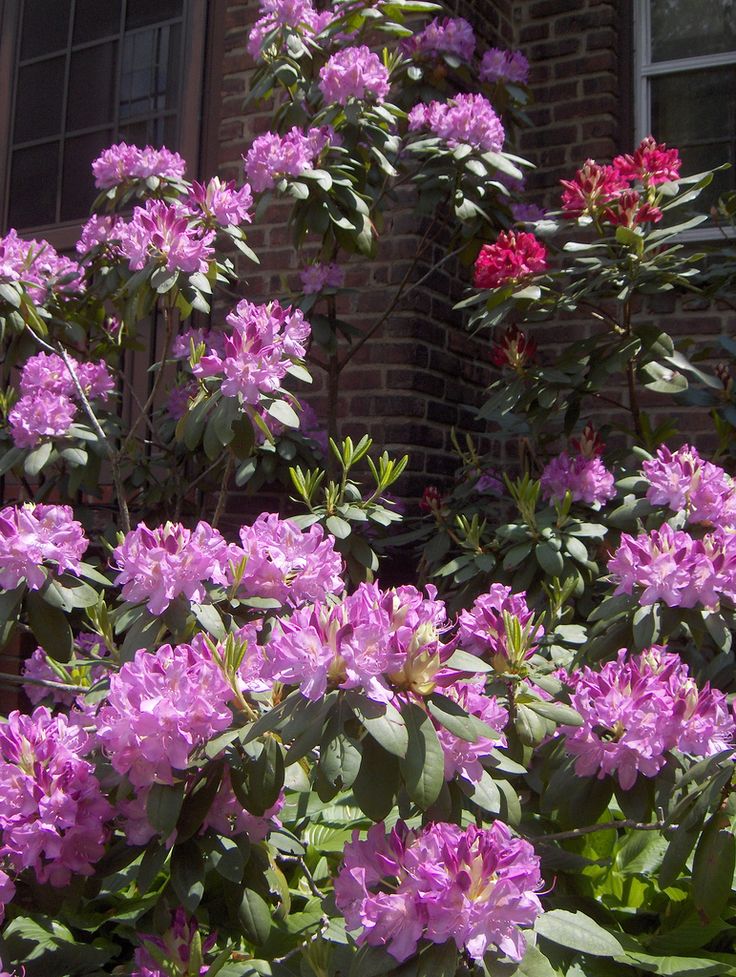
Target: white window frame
(645,69)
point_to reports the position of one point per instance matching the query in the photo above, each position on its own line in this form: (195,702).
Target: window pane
(77,185)
(96,18)
(38,100)
(688,28)
(141,13)
(33,184)
(156,132)
(150,71)
(45,27)
(92,69)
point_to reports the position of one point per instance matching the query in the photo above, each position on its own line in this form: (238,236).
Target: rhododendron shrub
(246,752)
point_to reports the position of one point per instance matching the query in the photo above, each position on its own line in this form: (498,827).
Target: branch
(590,829)
(45,683)
(223,490)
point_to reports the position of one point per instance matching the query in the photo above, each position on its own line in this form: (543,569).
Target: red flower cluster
(609,192)
(589,444)
(514,349)
(515,256)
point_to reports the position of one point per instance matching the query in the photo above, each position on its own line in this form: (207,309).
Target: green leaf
(163,806)
(535,964)
(254,915)
(49,626)
(454,718)
(382,721)
(558,712)
(187,874)
(340,528)
(37,458)
(284,413)
(713,867)
(423,767)
(266,777)
(549,558)
(377,782)
(576,931)
(227,859)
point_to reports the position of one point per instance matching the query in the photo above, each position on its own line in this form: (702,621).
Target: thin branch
(169,319)
(45,683)
(222,500)
(590,829)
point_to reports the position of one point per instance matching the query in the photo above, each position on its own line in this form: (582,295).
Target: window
(685,54)
(80,75)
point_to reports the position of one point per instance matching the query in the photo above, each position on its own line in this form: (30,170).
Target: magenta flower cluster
(100,229)
(317,276)
(46,408)
(477,887)
(272,157)
(222,202)
(297,15)
(482,629)
(468,119)
(636,709)
(286,564)
(672,566)
(53,815)
(258,352)
(684,482)
(501,65)
(160,707)
(164,233)
(157,565)
(82,671)
(34,535)
(443,35)
(123,163)
(39,268)
(586,479)
(354,72)
(463,757)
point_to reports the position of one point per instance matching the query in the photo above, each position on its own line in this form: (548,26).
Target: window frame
(198,19)
(645,69)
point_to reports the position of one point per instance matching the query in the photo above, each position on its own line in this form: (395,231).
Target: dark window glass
(689,28)
(90,106)
(141,13)
(149,79)
(38,100)
(77,184)
(33,185)
(96,18)
(45,27)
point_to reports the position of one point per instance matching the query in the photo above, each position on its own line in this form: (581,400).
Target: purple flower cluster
(122,163)
(684,482)
(500,65)
(52,812)
(477,887)
(257,353)
(82,671)
(377,641)
(100,229)
(222,201)
(39,267)
(354,72)
(671,566)
(31,535)
(636,709)
(228,817)
(164,233)
(160,707)
(586,479)
(157,565)
(46,407)
(461,756)
(444,35)
(469,119)
(318,276)
(175,947)
(287,564)
(272,156)
(298,15)
(482,629)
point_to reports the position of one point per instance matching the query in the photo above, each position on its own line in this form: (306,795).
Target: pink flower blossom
(515,257)
(500,65)
(38,416)
(39,267)
(354,72)
(637,709)
(527,213)
(683,481)
(586,479)
(629,209)
(177,403)
(444,35)
(272,157)
(477,887)
(122,163)
(31,535)
(287,564)
(258,352)
(82,671)
(49,372)
(52,811)
(160,707)
(515,349)
(99,229)
(163,232)
(593,187)
(482,629)
(468,119)
(317,276)
(461,756)
(296,15)
(651,163)
(157,565)
(223,202)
